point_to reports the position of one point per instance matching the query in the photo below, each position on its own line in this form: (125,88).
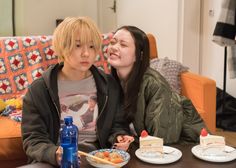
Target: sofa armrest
(202,92)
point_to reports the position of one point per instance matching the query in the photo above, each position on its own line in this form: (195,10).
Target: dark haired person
(149,102)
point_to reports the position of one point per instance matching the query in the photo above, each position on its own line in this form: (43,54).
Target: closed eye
(123,45)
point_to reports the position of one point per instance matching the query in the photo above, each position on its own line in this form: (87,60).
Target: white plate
(173,156)
(228,155)
(124,155)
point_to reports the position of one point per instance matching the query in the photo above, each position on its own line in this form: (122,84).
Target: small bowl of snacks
(108,158)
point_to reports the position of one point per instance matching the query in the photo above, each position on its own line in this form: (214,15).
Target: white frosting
(212,140)
(148,138)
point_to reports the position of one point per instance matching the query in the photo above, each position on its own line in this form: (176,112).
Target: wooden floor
(230,137)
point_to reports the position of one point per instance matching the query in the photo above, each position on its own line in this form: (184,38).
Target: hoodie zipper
(54,103)
(56,108)
(99,116)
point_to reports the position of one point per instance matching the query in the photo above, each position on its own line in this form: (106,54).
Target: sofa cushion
(171,70)
(10,140)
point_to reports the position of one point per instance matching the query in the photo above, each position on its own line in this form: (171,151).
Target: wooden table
(188,160)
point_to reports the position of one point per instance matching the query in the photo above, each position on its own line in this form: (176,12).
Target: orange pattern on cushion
(23,59)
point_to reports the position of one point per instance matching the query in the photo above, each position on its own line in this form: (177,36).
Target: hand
(124,138)
(59,153)
(123,142)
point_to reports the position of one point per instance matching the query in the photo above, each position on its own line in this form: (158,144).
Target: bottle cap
(68,119)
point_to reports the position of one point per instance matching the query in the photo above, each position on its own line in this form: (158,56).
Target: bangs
(87,35)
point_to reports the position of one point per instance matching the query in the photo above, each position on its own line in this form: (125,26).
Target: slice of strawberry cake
(149,143)
(211,141)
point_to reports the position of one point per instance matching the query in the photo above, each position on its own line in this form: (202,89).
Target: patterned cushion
(23,59)
(171,70)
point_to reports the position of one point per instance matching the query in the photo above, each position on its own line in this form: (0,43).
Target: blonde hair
(64,36)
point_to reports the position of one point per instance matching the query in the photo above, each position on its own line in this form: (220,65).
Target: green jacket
(164,113)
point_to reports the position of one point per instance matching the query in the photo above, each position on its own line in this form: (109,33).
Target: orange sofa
(201,90)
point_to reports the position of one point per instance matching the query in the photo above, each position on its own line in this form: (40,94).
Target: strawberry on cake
(150,143)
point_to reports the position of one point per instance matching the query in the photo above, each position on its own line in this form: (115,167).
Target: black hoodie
(41,114)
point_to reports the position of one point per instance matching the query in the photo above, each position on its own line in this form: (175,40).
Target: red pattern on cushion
(23,59)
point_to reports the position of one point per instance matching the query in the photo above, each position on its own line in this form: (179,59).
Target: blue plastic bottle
(69,142)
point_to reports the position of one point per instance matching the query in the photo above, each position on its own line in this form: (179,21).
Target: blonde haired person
(64,88)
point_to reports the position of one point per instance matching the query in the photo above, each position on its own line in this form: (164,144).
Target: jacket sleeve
(36,142)
(154,111)
(119,126)
(193,123)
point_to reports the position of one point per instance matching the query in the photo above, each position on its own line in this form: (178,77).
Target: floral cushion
(22,60)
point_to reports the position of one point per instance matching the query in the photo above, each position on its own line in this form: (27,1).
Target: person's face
(92,103)
(82,56)
(121,50)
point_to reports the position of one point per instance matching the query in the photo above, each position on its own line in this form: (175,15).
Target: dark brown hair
(135,77)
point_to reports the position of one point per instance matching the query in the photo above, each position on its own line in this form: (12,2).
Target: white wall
(35,17)
(159,17)
(212,59)
(5,18)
